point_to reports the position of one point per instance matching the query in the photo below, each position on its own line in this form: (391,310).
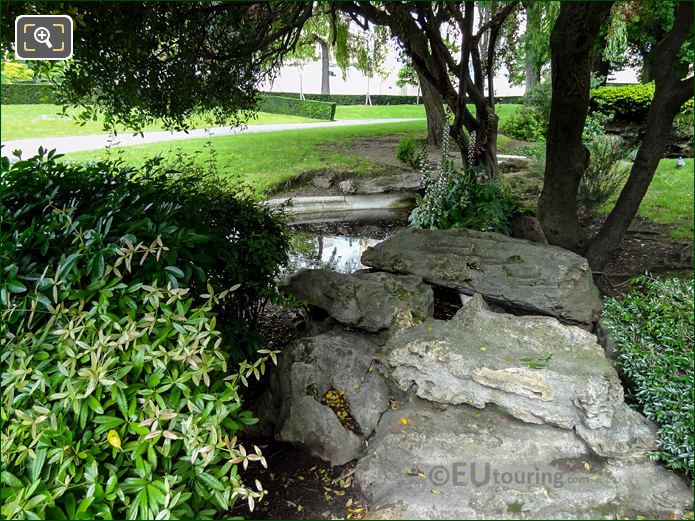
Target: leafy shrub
(16,72)
(119,398)
(595,126)
(539,98)
(604,176)
(524,124)
(626,103)
(684,121)
(455,199)
(27,93)
(409,152)
(297,107)
(653,332)
(215,234)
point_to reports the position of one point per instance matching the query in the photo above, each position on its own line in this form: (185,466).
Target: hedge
(27,93)
(377,99)
(628,103)
(297,107)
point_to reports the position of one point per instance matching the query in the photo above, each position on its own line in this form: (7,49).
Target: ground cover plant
(123,346)
(652,328)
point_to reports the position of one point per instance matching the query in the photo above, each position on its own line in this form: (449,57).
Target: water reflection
(336,252)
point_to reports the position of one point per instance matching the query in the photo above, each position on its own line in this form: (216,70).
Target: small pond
(339,245)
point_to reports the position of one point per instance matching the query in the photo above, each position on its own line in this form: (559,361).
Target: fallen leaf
(404,421)
(114,439)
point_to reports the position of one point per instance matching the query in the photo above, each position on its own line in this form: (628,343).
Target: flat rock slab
(335,360)
(516,273)
(536,368)
(456,462)
(368,301)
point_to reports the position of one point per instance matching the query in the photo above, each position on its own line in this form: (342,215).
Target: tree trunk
(571,44)
(367,98)
(670,93)
(434,109)
(601,67)
(325,66)
(646,75)
(532,79)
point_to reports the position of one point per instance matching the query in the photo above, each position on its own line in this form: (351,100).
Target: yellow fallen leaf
(587,466)
(404,421)
(348,503)
(114,439)
(483,349)
(437,492)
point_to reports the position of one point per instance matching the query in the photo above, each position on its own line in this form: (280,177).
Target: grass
(669,199)
(504,111)
(43,120)
(265,160)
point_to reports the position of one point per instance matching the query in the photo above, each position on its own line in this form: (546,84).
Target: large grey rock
(368,301)
(335,360)
(456,462)
(534,277)
(536,368)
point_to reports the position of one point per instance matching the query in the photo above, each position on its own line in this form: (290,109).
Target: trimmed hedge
(377,99)
(297,107)
(27,93)
(628,103)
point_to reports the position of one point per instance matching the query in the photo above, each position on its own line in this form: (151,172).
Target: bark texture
(434,109)
(572,43)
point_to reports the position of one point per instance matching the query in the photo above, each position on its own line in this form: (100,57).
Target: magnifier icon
(43,35)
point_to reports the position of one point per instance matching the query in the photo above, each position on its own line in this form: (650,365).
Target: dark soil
(646,247)
(302,487)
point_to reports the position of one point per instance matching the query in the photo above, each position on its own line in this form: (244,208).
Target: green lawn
(405,111)
(669,199)
(43,120)
(264,160)
(31,121)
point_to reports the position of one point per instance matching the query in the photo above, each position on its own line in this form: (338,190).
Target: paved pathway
(67,144)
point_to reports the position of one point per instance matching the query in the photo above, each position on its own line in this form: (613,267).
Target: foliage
(627,103)
(530,123)
(539,99)
(16,72)
(407,76)
(683,122)
(27,93)
(525,125)
(409,152)
(119,398)
(540,19)
(455,199)
(595,125)
(653,332)
(214,234)
(198,59)
(370,54)
(297,107)
(604,176)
